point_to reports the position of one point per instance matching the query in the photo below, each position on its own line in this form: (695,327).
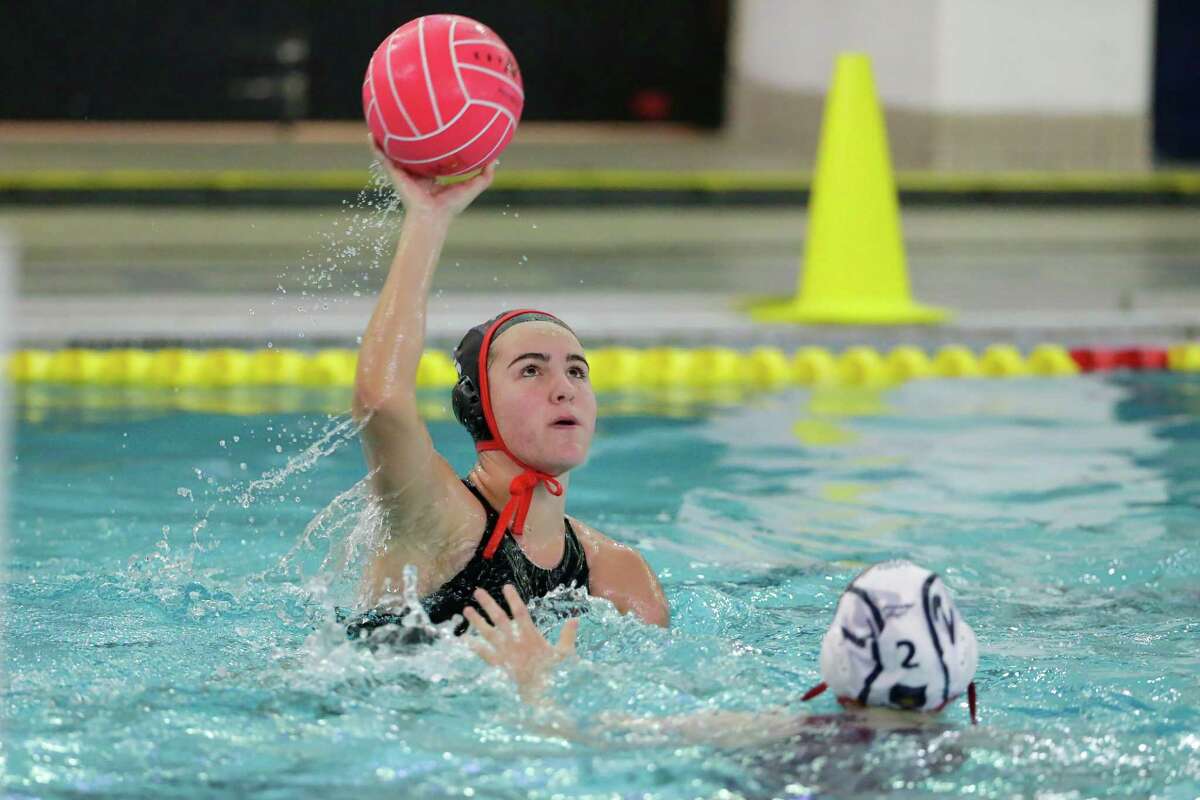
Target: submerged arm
(515,645)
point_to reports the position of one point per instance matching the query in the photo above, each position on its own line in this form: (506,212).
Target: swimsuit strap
(573,554)
(574,559)
(492,514)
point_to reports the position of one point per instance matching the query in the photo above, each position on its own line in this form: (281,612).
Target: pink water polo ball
(442,95)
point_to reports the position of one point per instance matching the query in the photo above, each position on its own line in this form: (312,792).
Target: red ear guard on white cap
(898,641)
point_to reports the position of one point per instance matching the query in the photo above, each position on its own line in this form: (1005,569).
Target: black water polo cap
(469,398)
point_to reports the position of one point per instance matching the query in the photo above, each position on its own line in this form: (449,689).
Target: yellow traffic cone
(854,268)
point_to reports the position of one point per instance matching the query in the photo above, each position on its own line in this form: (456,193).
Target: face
(541,395)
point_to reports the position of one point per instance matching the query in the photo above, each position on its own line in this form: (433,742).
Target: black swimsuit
(508,564)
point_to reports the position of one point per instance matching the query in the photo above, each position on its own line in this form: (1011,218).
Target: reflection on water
(171,579)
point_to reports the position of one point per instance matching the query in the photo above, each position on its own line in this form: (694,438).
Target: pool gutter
(640,319)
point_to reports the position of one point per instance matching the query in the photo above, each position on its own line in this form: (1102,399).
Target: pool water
(170,580)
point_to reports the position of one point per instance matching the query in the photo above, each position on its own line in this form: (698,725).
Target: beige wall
(966,84)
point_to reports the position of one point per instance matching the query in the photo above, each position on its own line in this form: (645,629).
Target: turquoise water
(166,616)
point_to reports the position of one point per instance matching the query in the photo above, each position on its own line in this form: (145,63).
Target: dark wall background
(1177,80)
(270,59)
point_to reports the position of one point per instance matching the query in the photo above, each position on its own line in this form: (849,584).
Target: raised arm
(399,450)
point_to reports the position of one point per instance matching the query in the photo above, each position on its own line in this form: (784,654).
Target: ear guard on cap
(465,397)
(470,356)
(468,408)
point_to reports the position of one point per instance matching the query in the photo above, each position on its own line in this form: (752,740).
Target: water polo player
(524,396)
(897,642)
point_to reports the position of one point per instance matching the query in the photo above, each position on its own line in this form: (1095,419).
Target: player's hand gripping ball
(442,95)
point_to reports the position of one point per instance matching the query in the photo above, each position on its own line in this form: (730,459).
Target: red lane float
(1099,359)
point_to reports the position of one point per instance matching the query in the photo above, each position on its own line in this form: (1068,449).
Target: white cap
(898,641)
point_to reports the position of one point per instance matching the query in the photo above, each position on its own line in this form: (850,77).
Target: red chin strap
(520,497)
(521,488)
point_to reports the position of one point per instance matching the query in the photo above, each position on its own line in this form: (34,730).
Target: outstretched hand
(422,195)
(514,643)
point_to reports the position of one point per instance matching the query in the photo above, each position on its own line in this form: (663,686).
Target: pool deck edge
(635,319)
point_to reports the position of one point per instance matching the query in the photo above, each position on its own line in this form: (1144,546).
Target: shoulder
(438,535)
(603,552)
(621,575)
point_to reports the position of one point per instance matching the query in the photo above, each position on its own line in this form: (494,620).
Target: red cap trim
(520,490)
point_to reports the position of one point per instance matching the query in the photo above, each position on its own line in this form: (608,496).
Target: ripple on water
(184,641)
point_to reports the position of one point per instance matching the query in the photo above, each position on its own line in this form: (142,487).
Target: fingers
(520,611)
(491,608)
(500,630)
(488,173)
(390,168)
(484,179)
(467,190)
(566,639)
(376,149)
(407,183)
(401,178)
(486,652)
(480,179)
(479,624)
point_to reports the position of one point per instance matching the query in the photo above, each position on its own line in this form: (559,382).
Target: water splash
(328,443)
(350,528)
(352,252)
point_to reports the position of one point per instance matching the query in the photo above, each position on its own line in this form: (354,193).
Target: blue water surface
(170,578)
